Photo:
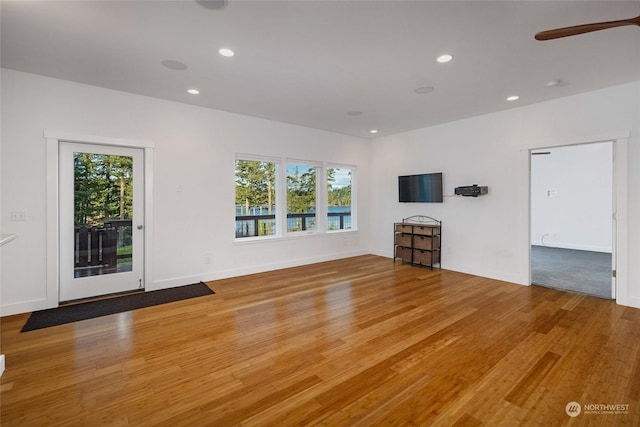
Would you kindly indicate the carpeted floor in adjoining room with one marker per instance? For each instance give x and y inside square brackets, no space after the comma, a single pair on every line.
[572,270]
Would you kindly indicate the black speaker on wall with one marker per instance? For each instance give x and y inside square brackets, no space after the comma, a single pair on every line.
[471,190]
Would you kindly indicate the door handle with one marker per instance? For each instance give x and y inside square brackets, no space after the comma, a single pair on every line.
[140,227]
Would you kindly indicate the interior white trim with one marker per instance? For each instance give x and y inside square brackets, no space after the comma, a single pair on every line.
[149,283]
[621,215]
[100,140]
[53,187]
[24,307]
[258,158]
[574,140]
[620,171]
[253,269]
[53,139]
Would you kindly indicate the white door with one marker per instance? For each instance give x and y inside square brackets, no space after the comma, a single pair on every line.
[101,220]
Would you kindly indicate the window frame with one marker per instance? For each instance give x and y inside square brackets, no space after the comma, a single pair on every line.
[322,209]
[265,159]
[319,170]
[354,209]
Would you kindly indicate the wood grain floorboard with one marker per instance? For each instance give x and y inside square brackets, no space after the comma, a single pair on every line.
[359,341]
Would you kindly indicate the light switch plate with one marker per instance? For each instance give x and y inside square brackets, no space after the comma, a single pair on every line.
[18,216]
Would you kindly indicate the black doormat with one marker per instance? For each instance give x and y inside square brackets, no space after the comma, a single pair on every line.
[89,310]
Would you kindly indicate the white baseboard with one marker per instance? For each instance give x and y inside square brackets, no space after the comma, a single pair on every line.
[483,271]
[476,270]
[224,274]
[41,304]
[23,307]
[385,254]
[632,302]
[564,245]
[1,364]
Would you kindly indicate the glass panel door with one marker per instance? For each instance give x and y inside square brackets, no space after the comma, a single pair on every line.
[100,220]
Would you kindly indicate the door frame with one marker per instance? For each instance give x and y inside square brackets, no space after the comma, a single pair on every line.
[53,140]
[611,204]
[620,204]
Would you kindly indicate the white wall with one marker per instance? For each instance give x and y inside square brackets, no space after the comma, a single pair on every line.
[489,235]
[572,197]
[194,151]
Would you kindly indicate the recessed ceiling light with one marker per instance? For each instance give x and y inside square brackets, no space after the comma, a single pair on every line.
[213,4]
[226,52]
[193,91]
[354,113]
[174,65]
[422,90]
[513,98]
[444,58]
[373,131]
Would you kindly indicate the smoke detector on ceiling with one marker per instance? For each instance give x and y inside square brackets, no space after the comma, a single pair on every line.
[556,83]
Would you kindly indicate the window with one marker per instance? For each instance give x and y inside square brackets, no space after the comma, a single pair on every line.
[275,197]
[339,201]
[301,197]
[255,198]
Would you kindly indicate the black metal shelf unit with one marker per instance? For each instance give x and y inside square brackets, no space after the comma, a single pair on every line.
[417,240]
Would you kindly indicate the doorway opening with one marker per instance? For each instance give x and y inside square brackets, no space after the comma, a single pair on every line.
[121,260]
[572,218]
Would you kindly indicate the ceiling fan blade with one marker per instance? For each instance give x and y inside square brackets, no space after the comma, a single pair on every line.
[586,28]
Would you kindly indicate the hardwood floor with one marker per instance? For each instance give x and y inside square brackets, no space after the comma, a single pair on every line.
[360,341]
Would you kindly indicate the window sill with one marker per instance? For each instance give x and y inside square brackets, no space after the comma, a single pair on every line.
[292,236]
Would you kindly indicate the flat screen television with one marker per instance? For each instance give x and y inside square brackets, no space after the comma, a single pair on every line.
[424,188]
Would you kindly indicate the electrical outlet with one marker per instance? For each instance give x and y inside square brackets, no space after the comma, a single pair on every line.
[18,216]
[207,258]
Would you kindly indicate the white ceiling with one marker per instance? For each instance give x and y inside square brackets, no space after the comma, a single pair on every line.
[311,62]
